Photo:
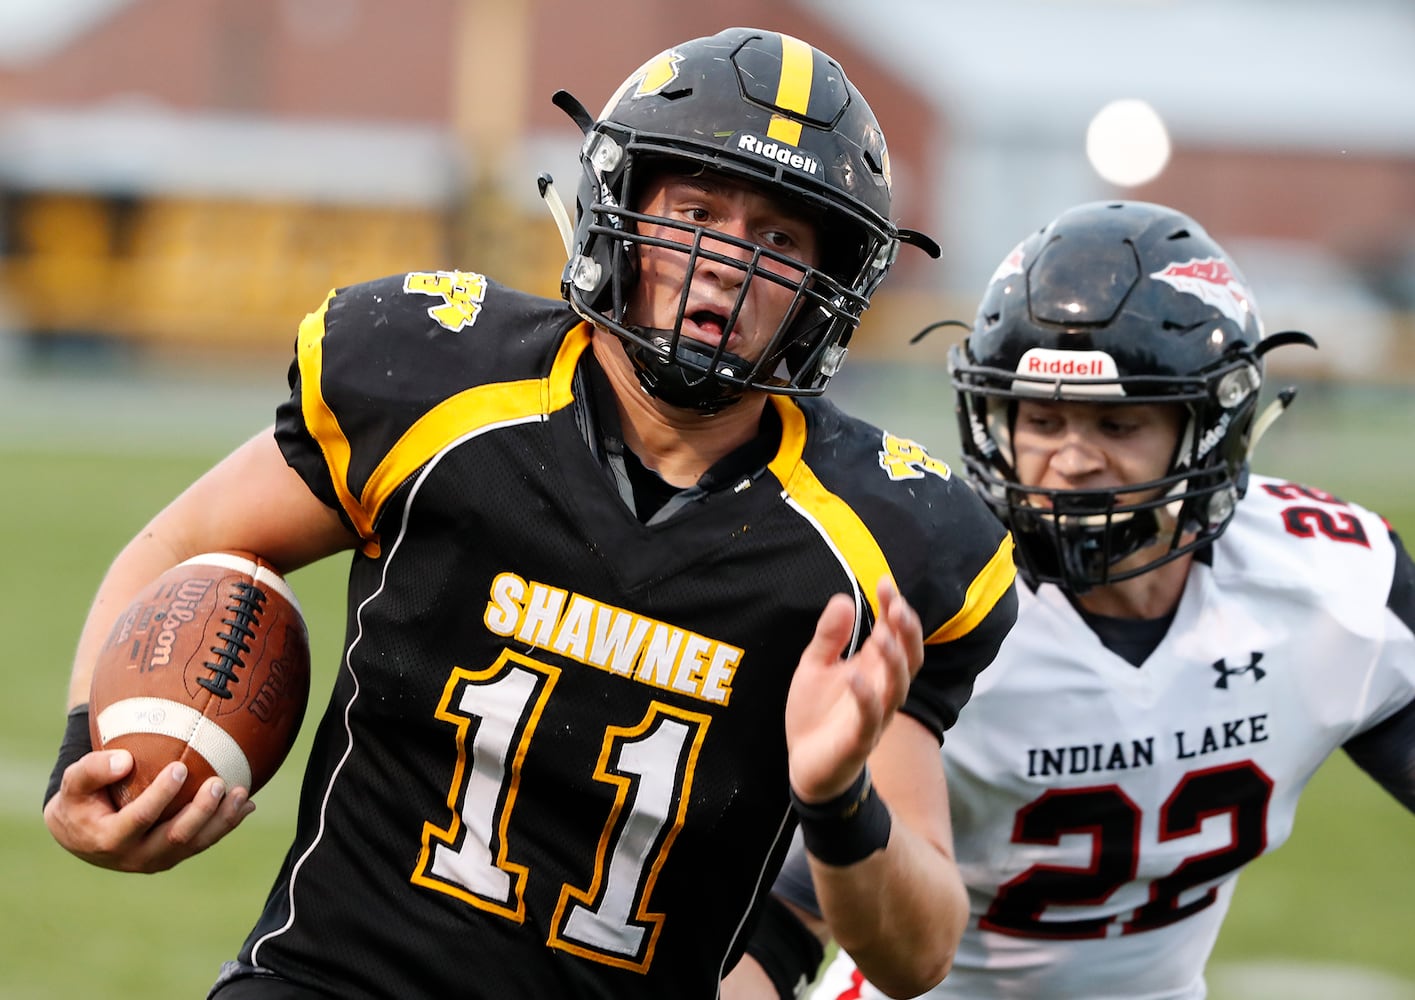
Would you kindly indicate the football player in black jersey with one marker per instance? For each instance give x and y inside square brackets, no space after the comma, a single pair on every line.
[628,602]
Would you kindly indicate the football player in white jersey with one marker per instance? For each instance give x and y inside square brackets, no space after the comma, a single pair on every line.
[1192,643]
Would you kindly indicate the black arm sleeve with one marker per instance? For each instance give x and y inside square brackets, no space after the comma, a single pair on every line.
[1402,585]
[1387,753]
[785,948]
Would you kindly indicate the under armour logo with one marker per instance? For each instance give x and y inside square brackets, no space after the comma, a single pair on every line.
[1225,671]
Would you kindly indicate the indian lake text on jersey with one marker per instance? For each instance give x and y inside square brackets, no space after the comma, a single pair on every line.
[1122,756]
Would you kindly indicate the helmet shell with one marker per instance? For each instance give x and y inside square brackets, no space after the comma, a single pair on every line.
[1142,283]
[755,106]
[1113,302]
[762,105]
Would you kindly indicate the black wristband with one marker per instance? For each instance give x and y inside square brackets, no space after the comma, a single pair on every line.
[77,742]
[785,948]
[848,828]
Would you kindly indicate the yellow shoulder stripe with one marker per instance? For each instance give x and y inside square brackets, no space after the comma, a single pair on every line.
[856,543]
[983,594]
[464,413]
[319,419]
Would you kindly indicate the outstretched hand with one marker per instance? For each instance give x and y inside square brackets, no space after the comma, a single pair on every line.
[82,818]
[837,708]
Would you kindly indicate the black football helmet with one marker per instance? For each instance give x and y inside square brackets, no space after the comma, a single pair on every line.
[1123,302]
[756,106]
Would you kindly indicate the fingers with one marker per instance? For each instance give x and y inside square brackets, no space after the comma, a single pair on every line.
[899,641]
[145,810]
[234,809]
[82,817]
[212,813]
[889,658]
[837,708]
[910,630]
[95,771]
[833,630]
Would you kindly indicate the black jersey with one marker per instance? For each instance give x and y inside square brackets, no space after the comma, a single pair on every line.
[553,763]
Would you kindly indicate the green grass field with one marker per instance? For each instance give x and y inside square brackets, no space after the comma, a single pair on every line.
[1339,892]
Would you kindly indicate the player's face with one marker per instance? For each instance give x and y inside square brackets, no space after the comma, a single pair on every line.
[736,209]
[1086,446]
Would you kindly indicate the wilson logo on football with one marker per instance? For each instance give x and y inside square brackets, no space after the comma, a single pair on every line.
[184,606]
[1213,282]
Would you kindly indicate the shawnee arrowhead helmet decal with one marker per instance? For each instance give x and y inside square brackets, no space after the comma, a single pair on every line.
[1212,281]
[658,73]
[648,79]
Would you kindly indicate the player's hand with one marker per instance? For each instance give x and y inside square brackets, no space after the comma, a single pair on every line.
[82,818]
[837,708]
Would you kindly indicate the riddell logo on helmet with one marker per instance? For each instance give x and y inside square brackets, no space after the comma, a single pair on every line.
[1044,367]
[1213,435]
[787,156]
[1073,364]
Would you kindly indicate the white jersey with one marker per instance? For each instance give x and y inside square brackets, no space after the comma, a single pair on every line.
[1101,812]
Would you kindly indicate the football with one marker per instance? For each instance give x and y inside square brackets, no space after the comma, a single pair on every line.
[209,665]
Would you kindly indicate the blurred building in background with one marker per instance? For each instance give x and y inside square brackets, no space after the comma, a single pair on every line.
[195,175]
[1290,124]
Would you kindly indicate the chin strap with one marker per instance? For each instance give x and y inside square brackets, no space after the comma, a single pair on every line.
[677,385]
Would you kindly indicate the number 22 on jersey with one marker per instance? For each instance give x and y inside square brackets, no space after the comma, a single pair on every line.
[1111,819]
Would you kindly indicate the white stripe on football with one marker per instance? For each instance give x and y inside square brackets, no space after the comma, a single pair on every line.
[163,717]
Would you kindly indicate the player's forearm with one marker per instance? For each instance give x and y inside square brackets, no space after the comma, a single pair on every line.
[748,981]
[250,501]
[899,913]
[899,910]
[140,562]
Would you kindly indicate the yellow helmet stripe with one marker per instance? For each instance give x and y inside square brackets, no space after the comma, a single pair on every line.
[793,91]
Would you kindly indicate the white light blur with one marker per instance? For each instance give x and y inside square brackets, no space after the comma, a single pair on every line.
[1127,143]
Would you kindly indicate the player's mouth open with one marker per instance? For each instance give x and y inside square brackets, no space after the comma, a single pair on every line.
[707,326]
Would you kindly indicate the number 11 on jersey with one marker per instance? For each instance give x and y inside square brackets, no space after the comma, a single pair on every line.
[650,766]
